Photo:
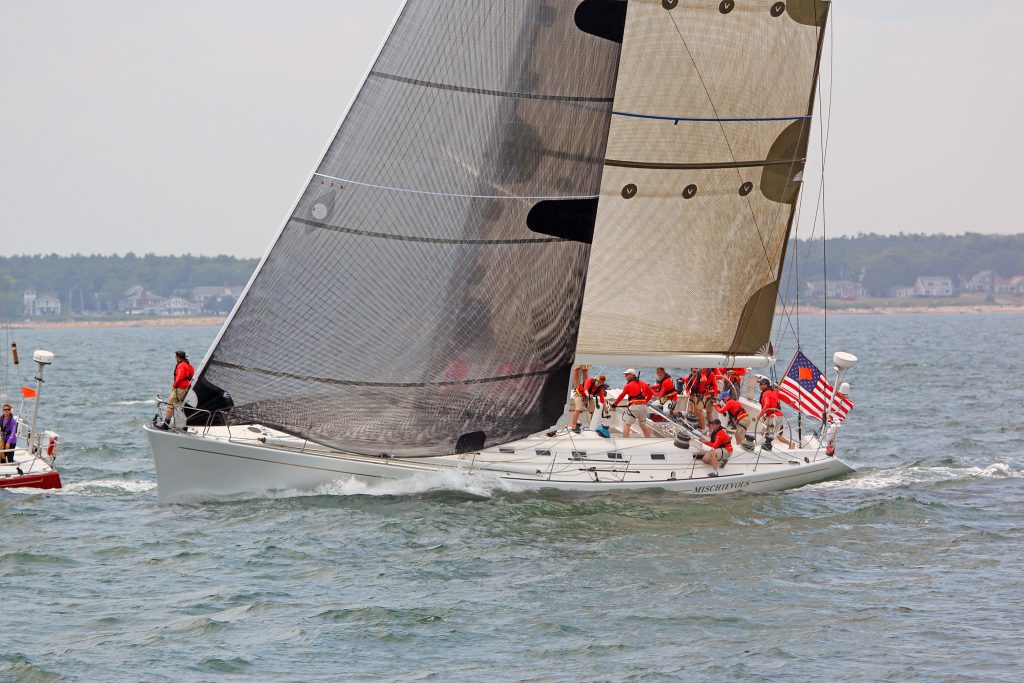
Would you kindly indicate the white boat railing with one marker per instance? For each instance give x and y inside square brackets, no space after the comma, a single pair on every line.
[248,434]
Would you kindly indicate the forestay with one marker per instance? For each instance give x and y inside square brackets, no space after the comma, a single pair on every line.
[424,295]
[704,163]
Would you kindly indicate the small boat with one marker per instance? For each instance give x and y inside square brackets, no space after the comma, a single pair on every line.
[514,192]
[31,464]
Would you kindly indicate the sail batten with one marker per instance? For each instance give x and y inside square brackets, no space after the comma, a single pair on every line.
[699,119]
[702,164]
[696,209]
[484,91]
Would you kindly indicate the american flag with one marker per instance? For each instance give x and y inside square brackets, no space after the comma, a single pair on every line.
[805,388]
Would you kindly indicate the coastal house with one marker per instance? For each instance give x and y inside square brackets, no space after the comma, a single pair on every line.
[1013,285]
[37,305]
[203,294]
[981,282]
[216,299]
[902,292]
[138,301]
[933,285]
[176,305]
[836,289]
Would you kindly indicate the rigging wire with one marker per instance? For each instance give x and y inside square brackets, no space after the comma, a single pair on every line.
[824,132]
[761,239]
[824,212]
[725,136]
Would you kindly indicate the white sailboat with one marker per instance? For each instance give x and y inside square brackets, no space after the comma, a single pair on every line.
[486,217]
[31,462]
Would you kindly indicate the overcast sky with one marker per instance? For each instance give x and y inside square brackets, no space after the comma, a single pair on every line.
[191,126]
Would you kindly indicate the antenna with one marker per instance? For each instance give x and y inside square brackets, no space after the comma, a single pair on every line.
[42,359]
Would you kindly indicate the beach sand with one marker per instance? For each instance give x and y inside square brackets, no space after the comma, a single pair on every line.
[167,321]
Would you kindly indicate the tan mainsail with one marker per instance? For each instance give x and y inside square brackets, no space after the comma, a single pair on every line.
[704,165]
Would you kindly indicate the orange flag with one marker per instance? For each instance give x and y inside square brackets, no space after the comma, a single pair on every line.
[28,393]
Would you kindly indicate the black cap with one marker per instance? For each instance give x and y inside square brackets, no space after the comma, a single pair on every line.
[763,380]
[180,354]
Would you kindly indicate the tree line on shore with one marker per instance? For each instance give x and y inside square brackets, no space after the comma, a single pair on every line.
[96,283]
[883,262]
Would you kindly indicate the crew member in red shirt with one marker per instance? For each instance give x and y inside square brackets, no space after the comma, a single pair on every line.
[737,415]
[721,447]
[583,398]
[771,413]
[183,372]
[701,386]
[638,394]
[665,388]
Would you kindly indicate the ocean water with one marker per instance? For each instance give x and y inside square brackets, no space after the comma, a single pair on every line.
[910,569]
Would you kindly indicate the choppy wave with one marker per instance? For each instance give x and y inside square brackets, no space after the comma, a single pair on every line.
[146,402]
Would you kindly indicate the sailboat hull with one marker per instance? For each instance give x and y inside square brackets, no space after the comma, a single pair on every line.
[192,467]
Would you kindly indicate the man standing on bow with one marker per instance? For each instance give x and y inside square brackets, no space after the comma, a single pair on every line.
[183,372]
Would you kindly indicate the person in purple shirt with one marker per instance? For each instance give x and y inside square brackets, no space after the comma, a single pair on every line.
[8,434]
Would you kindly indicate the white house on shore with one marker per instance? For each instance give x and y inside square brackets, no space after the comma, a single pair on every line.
[981,282]
[933,285]
[176,305]
[1013,285]
[927,285]
[836,289]
[37,305]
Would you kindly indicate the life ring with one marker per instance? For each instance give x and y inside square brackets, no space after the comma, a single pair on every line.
[51,447]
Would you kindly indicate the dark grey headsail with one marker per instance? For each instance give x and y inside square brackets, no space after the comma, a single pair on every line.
[424,296]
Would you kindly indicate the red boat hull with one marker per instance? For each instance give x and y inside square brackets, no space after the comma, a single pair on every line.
[47,480]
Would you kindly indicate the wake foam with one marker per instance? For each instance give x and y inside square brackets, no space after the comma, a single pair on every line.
[147,402]
[107,487]
[916,474]
[479,485]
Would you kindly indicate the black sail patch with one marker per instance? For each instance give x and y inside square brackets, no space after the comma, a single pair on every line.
[602,18]
[569,219]
[780,180]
